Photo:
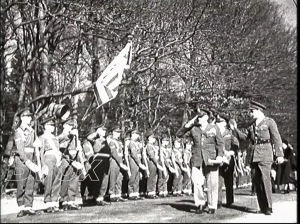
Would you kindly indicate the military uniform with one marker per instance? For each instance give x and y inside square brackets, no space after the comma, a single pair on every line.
[262,135]
[69,168]
[164,177]
[153,157]
[135,156]
[50,161]
[208,144]
[177,181]
[100,165]
[24,158]
[231,143]
[116,176]
[186,181]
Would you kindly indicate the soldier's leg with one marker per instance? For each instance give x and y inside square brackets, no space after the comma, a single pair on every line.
[160,183]
[132,180]
[114,171]
[211,174]
[119,184]
[177,181]
[73,189]
[198,181]
[152,180]
[22,173]
[50,162]
[221,184]
[65,177]
[257,179]
[104,186]
[29,189]
[265,169]
[56,185]
[136,187]
[229,182]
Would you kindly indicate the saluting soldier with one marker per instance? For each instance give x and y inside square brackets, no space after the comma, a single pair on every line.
[135,164]
[153,157]
[262,133]
[116,164]
[100,165]
[50,161]
[177,181]
[26,169]
[208,146]
[186,181]
[70,166]
[231,144]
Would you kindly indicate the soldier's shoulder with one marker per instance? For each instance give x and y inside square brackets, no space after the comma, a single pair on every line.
[270,120]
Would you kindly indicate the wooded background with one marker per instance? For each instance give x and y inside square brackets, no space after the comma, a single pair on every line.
[221,54]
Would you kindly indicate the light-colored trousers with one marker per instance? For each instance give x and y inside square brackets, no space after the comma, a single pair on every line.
[211,173]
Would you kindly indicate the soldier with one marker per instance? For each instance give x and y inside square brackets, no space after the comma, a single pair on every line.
[70,166]
[226,169]
[163,177]
[26,169]
[207,148]
[50,161]
[186,181]
[100,165]
[116,163]
[135,164]
[177,181]
[262,133]
[153,156]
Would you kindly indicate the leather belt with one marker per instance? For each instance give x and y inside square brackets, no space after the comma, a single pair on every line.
[28,149]
[261,141]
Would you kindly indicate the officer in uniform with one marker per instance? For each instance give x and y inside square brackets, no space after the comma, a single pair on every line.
[186,181]
[226,169]
[153,157]
[135,164]
[208,147]
[26,169]
[100,165]
[116,164]
[50,161]
[70,166]
[262,133]
[177,181]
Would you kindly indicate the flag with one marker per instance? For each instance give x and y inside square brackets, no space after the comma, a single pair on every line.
[106,86]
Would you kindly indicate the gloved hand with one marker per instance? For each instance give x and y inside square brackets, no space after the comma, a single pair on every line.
[37,143]
[11,160]
[45,170]
[172,170]
[58,163]
[123,166]
[77,165]
[142,166]
[33,167]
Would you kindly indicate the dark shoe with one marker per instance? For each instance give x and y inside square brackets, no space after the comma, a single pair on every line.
[199,209]
[268,211]
[211,211]
[113,199]
[21,214]
[74,207]
[151,196]
[30,212]
[220,206]
[102,203]
[253,194]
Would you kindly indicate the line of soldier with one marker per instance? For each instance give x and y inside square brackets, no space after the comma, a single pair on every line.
[107,164]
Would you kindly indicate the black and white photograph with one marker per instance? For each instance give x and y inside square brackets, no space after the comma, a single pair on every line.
[148,111]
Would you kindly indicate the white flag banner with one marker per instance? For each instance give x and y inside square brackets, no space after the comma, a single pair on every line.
[106,86]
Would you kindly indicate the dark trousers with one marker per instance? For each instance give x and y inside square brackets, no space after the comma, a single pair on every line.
[226,178]
[152,179]
[52,180]
[86,183]
[25,183]
[69,183]
[262,182]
